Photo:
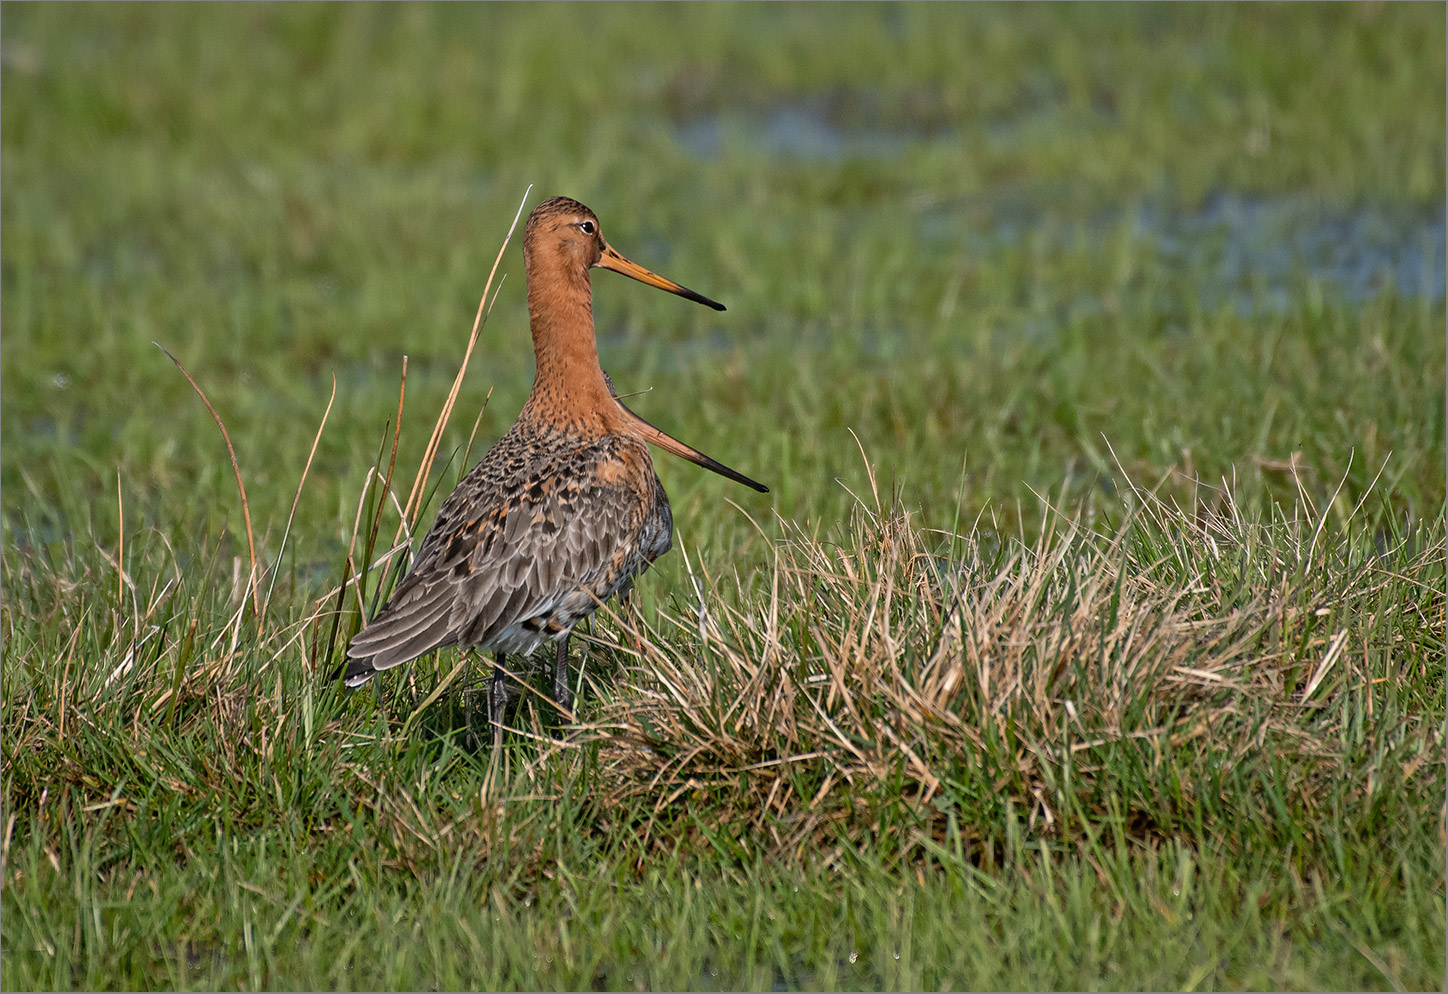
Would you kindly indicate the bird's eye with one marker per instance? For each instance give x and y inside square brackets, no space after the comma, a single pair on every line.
[586,227]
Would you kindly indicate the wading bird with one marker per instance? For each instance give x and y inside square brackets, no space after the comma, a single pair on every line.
[563,512]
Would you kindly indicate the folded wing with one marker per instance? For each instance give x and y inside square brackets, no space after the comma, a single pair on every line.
[516,563]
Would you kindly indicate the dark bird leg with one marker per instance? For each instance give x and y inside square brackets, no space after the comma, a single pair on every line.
[471,740]
[499,697]
[562,693]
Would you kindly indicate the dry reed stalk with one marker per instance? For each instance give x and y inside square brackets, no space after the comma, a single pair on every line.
[414,499]
[353,574]
[236,468]
[413,506]
[296,498]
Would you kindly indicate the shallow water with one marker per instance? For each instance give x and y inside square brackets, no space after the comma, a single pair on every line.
[1257,253]
[804,130]
[1361,251]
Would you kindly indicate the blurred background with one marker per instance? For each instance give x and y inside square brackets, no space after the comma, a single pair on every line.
[1008,247]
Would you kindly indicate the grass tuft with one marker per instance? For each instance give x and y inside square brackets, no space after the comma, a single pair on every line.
[897,686]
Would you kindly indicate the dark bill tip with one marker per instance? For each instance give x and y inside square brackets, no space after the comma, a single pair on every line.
[699,298]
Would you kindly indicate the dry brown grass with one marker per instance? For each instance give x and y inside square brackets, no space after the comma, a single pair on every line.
[903,681]
[892,687]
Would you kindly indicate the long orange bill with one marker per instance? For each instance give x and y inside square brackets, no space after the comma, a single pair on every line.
[612,260]
[667,442]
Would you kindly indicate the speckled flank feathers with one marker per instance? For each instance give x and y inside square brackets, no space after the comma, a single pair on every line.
[564,511]
[533,539]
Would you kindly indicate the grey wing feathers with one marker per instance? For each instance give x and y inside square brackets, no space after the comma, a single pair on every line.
[406,628]
[497,559]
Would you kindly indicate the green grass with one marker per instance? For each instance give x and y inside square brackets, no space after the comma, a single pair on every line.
[1178,721]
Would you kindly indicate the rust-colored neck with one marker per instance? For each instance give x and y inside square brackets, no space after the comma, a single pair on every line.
[569,389]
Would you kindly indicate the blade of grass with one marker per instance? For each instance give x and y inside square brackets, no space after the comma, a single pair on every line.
[297,497]
[413,507]
[236,468]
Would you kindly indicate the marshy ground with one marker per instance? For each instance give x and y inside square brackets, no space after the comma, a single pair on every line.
[1092,635]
